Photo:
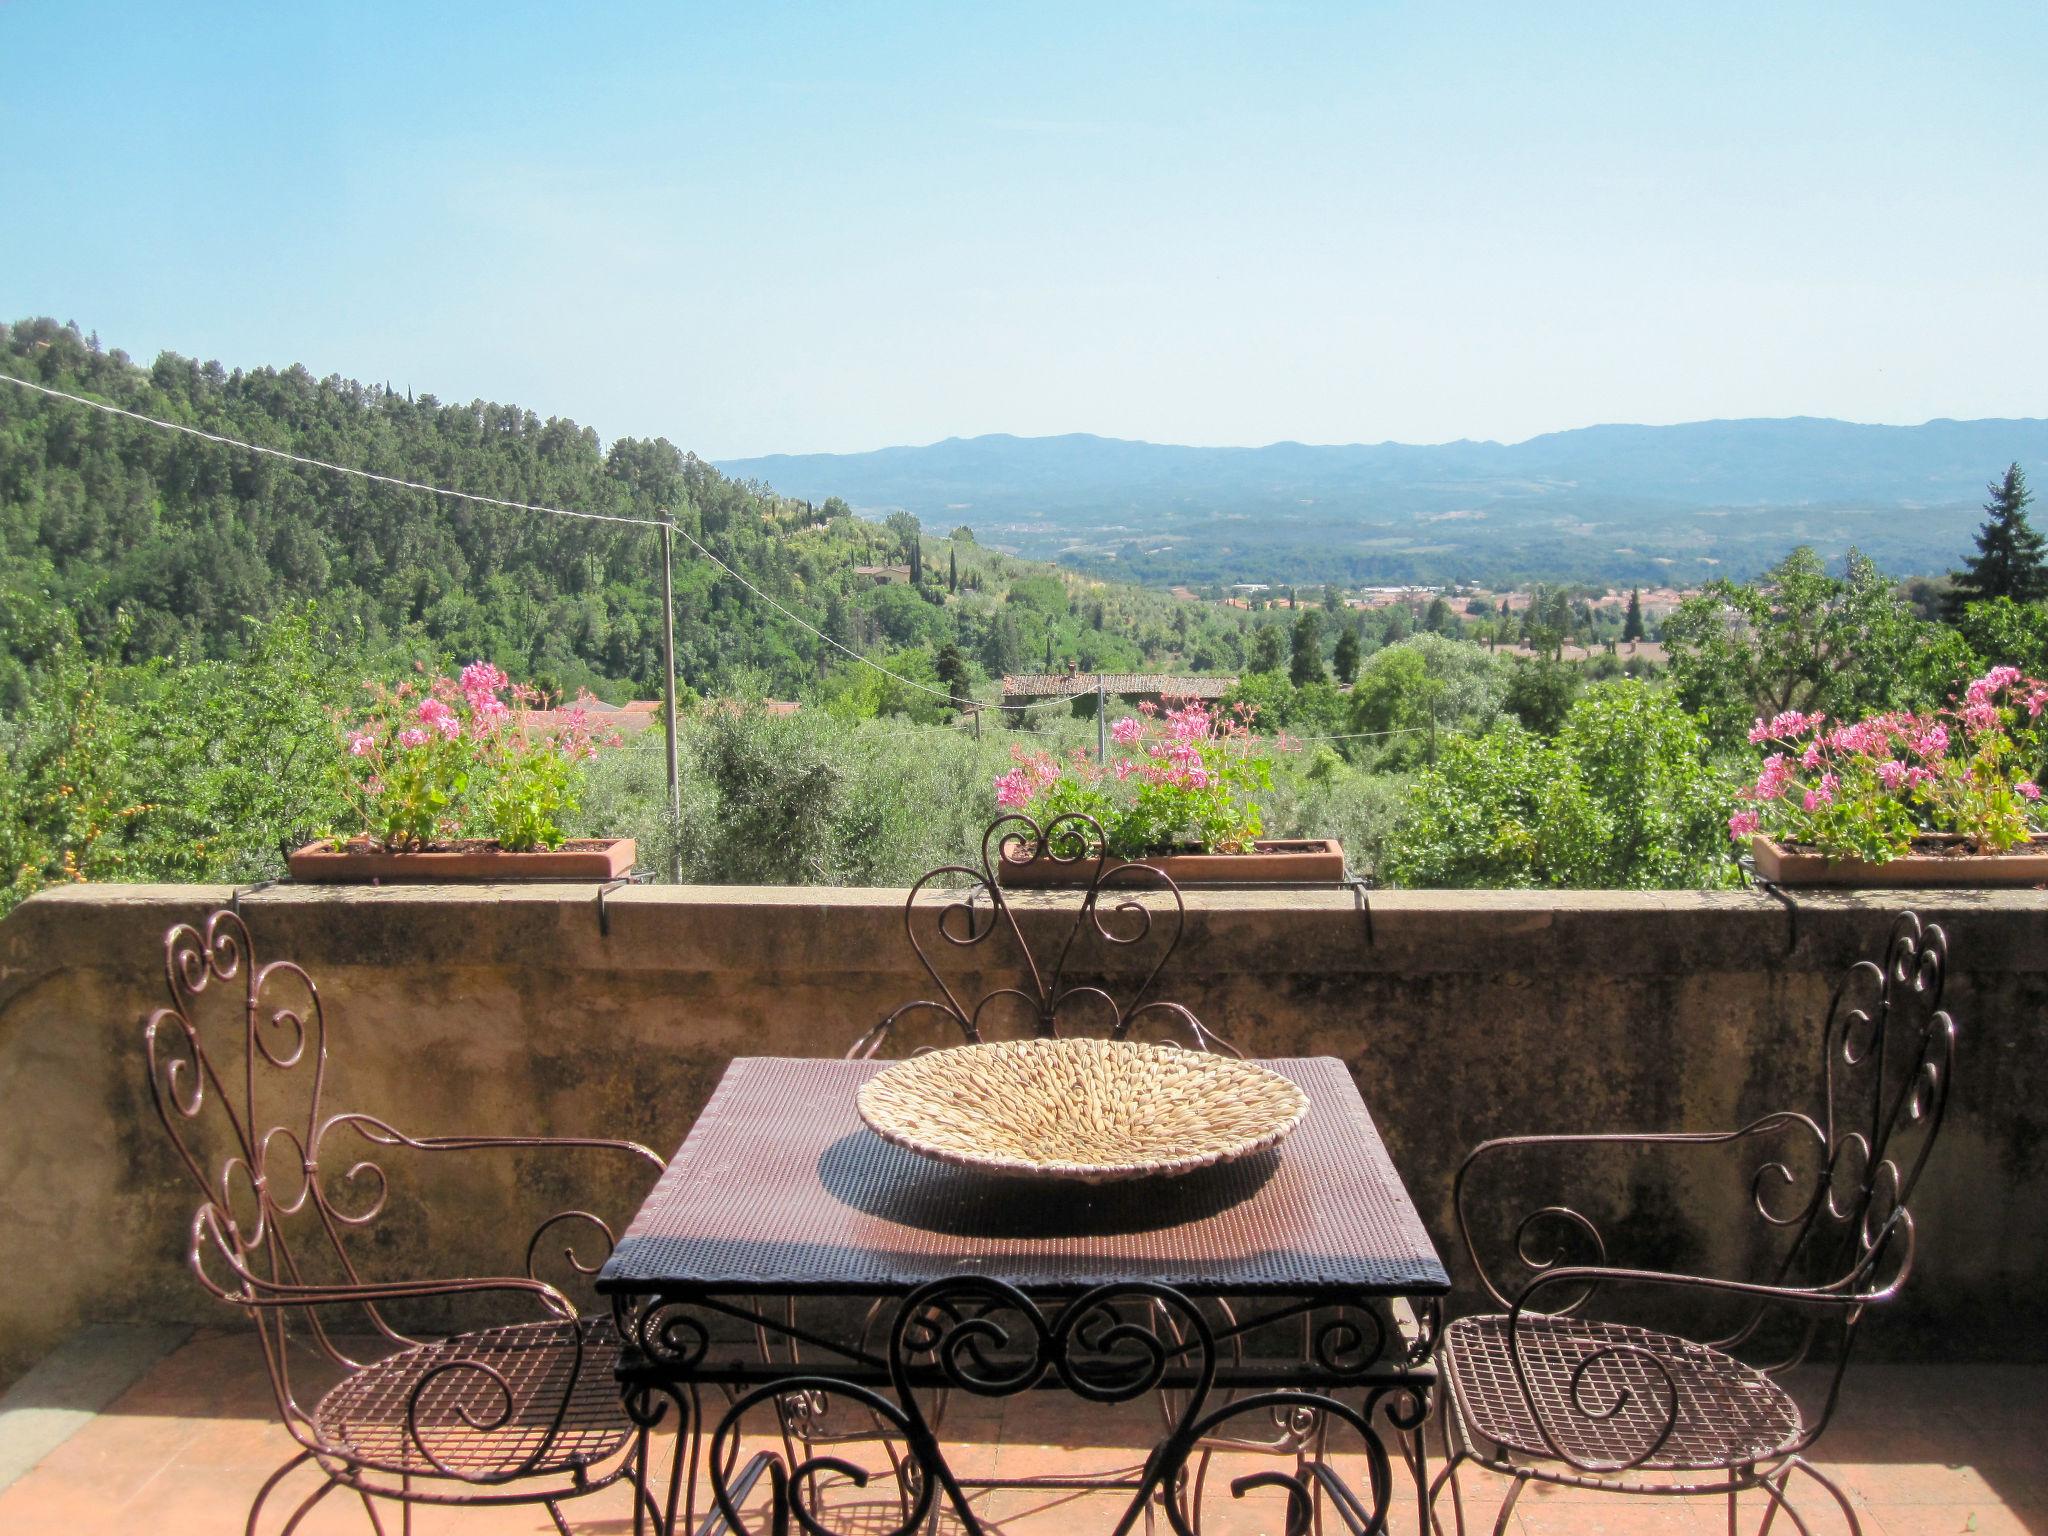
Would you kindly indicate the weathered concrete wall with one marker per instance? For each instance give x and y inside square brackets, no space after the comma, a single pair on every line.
[1467,1015]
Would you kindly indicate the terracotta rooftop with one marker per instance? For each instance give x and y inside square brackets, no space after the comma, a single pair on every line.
[1053,685]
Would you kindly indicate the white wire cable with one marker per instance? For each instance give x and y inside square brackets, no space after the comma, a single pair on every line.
[802,623]
[1406,730]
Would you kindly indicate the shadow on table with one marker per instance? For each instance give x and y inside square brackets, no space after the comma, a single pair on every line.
[869,1174]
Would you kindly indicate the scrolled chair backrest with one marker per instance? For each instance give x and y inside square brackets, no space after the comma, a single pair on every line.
[964,913]
[239,1087]
[1888,1059]
[1889,1062]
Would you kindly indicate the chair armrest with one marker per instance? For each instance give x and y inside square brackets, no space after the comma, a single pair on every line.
[1568,1217]
[211,1229]
[384,1134]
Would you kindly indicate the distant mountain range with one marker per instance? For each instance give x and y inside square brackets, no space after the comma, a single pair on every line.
[1622,504]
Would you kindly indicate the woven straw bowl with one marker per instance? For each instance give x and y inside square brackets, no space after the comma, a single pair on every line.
[1091,1110]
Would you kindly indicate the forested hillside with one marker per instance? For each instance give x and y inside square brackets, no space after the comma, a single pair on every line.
[157,544]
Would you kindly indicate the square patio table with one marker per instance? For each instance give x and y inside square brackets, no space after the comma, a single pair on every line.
[789,1256]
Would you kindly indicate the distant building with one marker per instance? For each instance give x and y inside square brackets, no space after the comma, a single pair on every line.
[884,575]
[1126,687]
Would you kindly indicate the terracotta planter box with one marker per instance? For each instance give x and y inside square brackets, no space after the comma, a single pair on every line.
[1927,865]
[595,858]
[1278,861]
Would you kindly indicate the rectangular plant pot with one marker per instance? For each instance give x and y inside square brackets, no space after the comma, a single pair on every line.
[590,858]
[1277,861]
[1788,866]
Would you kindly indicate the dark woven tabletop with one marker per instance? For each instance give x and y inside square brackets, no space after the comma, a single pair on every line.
[780,1187]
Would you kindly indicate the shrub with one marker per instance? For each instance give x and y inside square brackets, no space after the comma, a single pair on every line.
[1868,789]
[1176,781]
[465,757]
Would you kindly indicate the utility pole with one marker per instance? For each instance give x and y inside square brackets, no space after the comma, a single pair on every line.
[668,659]
[1101,721]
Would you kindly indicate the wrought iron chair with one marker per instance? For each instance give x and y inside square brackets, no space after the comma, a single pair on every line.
[972,915]
[967,908]
[521,1413]
[1545,1392]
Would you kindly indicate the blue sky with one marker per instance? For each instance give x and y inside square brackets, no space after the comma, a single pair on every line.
[757,228]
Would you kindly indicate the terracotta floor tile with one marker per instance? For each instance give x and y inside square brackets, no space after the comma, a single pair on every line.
[1951,1520]
[1921,1451]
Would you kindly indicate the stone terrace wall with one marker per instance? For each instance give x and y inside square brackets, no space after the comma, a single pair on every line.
[508,1010]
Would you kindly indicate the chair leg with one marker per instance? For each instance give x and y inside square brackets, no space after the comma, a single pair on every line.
[271,1482]
[1507,1505]
[306,1506]
[1834,1491]
[1731,1502]
[555,1513]
[1452,1457]
[1774,1491]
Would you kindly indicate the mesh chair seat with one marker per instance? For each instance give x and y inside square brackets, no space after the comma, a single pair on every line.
[485,1403]
[1729,1414]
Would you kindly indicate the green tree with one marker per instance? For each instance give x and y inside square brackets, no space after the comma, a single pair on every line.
[2012,556]
[1540,692]
[1268,649]
[1306,665]
[954,674]
[1800,639]
[2004,633]
[1626,797]
[1046,595]
[1632,625]
[1344,659]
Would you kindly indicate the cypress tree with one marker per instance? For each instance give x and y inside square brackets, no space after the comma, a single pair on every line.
[1632,626]
[1345,659]
[2012,556]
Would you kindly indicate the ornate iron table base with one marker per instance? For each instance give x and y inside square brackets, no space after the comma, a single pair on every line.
[833,1376]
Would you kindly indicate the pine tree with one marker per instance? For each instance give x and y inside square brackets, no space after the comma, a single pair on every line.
[1632,626]
[952,570]
[2012,557]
